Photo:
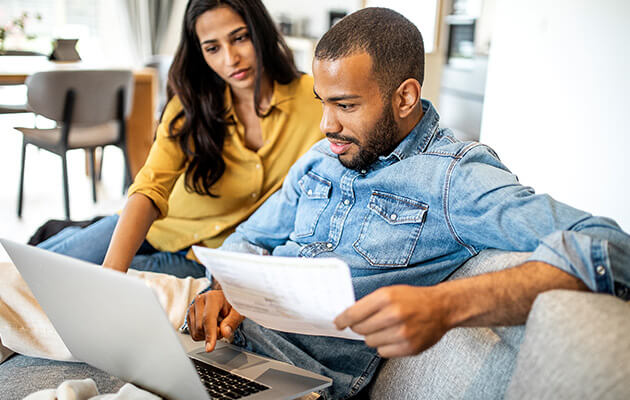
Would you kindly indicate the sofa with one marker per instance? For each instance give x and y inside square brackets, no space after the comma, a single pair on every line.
[574,345]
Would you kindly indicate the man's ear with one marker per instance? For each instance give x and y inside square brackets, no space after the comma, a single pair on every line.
[407,97]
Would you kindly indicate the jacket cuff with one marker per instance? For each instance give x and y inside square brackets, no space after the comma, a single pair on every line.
[579,255]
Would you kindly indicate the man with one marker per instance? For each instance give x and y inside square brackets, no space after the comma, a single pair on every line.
[405,204]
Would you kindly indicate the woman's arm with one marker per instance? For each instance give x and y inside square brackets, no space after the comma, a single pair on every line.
[134,223]
[148,195]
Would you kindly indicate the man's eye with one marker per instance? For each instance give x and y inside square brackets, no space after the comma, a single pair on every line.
[345,106]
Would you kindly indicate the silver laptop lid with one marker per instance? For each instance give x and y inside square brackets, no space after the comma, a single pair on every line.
[103,318]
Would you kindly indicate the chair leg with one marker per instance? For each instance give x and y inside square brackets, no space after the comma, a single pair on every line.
[21,186]
[92,167]
[100,163]
[127,179]
[66,197]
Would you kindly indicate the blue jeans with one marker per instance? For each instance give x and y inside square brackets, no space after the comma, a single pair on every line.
[91,243]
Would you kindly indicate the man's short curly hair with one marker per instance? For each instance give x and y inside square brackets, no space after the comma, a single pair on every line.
[393,42]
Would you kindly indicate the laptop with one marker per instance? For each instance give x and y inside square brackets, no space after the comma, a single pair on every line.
[115,322]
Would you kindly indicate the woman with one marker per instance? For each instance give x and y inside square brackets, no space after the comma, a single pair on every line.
[239,115]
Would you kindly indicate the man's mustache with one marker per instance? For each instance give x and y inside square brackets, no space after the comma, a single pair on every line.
[342,138]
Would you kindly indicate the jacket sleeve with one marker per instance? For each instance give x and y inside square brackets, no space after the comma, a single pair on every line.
[486,207]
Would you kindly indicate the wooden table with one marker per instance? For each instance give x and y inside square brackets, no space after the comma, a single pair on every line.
[141,122]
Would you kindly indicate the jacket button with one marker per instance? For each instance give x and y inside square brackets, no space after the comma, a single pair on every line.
[600,270]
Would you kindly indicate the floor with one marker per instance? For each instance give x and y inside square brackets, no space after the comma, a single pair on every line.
[43,187]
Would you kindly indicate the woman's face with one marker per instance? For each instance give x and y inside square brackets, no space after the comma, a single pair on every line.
[227,47]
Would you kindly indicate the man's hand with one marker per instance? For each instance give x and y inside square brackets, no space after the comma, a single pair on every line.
[405,320]
[398,320]
[211,317]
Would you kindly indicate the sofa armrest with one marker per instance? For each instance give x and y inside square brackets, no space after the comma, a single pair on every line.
[576,345]
[473,363]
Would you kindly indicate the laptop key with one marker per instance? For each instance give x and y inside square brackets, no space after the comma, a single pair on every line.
[241,392]
[221,384]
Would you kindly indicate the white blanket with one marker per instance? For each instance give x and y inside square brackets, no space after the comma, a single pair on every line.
[85,389]
[25,329]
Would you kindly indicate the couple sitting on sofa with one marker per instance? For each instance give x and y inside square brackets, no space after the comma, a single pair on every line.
[405,205]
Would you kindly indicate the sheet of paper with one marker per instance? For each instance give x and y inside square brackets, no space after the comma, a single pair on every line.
[298,295]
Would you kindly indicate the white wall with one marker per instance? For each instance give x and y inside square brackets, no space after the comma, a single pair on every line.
[315,11]
[557,105]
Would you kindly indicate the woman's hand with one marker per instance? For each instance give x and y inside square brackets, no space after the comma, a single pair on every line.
[211,317]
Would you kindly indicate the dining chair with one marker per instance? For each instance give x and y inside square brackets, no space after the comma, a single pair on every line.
[89,107]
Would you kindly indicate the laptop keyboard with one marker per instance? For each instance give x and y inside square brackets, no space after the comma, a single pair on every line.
[222,384]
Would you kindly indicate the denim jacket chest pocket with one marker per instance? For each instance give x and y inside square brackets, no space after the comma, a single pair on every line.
[390,230]
[315,195]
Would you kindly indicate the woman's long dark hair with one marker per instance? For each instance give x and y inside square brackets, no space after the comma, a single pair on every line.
[202,92]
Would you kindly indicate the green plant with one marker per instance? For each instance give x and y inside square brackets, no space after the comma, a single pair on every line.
[17,25]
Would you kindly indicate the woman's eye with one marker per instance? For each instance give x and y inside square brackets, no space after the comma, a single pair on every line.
[241,38]
[212,49]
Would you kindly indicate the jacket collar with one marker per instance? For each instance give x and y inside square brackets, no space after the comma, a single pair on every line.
[420,136]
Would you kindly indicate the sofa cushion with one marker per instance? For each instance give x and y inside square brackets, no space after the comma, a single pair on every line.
[576,345]
[468,363]
[21,375]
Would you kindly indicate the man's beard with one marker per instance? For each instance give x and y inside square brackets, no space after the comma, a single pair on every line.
[381,141]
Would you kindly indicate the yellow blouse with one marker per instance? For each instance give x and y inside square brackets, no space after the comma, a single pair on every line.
[289,129]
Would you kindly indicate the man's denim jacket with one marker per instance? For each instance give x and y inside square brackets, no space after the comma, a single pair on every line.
[419,213]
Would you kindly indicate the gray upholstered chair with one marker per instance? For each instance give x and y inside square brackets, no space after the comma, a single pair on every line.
[89,107]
